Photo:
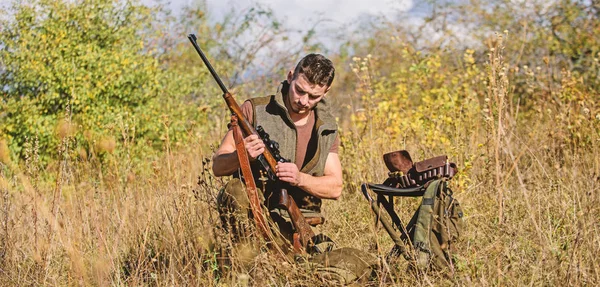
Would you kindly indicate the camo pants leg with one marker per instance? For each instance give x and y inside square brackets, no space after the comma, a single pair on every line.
[234,209]
[236,216]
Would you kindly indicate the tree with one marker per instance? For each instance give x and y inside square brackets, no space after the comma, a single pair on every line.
[74,68]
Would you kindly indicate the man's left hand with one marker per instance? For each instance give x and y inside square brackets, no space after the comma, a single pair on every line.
[288,172]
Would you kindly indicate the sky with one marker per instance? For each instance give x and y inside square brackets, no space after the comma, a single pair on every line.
[298,11]
[336,18]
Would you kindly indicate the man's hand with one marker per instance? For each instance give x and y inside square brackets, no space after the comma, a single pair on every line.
[288,172]
[254,145]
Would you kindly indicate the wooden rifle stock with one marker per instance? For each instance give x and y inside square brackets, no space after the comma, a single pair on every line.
[302,239]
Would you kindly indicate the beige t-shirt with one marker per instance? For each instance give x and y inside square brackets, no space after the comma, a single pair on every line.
[306,143]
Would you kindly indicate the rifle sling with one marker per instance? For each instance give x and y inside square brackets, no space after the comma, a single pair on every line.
[251,189]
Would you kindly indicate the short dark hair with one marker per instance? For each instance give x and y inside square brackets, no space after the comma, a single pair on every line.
[317,69]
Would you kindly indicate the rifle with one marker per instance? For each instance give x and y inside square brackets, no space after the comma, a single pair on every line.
[268,160]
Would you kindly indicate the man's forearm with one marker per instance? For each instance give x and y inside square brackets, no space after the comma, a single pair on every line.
[225,164]
[324,187]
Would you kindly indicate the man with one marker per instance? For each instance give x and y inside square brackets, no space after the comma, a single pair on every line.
[298,119]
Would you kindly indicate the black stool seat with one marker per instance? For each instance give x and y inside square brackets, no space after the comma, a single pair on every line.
[382,189]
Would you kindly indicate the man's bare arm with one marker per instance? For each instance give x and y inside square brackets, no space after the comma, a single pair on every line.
[328,186]
[225,159]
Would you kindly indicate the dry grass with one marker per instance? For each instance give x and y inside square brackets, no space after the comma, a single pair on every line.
[529,188]
[159,229]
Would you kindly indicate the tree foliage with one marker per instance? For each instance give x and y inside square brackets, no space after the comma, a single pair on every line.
[83,63]
[99,72]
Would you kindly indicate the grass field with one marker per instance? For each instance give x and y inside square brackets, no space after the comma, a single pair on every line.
[111,207]
[530,198]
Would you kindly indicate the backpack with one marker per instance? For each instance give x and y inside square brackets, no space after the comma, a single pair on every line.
[435,227]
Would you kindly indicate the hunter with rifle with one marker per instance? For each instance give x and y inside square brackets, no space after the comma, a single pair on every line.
[282,150]
[286,145]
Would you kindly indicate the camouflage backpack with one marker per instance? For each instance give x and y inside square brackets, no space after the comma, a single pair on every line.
[436,227]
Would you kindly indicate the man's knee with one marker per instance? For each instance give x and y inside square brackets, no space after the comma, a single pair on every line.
[233,206]
[233,197]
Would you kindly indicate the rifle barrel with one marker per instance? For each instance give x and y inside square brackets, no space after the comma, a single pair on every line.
[212,71]
[247,129]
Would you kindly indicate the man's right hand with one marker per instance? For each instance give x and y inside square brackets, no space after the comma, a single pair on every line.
[254,145]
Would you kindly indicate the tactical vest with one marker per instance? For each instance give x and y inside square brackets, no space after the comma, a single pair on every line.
[270,113]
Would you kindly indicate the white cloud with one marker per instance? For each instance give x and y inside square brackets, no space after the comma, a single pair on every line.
[298,12]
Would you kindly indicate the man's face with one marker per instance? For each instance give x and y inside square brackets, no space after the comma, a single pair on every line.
[303,96]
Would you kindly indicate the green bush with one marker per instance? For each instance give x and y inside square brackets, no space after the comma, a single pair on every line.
[75,68]
[95,71]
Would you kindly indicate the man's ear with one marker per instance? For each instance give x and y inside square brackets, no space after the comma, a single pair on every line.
[326,91]
[290,76]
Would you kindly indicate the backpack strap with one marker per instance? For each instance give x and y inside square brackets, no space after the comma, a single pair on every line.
[422,229]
